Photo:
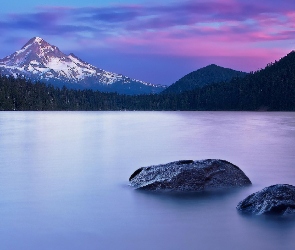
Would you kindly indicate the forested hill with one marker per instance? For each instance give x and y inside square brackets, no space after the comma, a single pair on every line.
[201,77]
[272,88]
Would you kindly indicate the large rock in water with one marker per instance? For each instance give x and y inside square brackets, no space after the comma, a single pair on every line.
[276,199]
[188,175]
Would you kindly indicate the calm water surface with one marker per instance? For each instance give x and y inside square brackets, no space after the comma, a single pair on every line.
[64,180]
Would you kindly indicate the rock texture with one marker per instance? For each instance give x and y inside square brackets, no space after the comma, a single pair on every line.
[276,199]
[189,175]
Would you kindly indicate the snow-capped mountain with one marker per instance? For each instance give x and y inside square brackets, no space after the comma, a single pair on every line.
[38,60]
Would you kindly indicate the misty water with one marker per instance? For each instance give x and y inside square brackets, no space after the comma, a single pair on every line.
[64,180]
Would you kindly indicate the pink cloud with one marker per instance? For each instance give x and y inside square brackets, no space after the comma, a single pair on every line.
[223,28]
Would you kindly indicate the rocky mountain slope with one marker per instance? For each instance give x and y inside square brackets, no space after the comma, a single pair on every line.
[39,60]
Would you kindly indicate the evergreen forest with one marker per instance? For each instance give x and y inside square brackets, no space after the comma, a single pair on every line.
[268,89]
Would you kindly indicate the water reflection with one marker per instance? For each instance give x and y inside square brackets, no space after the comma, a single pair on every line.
[63,180]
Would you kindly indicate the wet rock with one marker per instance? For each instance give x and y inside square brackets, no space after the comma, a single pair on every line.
[277,199]
[189,175]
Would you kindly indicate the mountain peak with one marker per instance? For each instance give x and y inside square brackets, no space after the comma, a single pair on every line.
[36,41]
[213,67]
[39,60]
[36,50]
[203,76]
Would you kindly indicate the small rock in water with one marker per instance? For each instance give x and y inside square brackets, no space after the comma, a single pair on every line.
[277,199]
[189,175]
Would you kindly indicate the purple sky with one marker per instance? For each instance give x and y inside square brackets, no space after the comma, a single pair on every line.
[156,42]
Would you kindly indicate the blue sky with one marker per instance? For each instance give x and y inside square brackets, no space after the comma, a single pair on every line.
[29,5]
[155,41]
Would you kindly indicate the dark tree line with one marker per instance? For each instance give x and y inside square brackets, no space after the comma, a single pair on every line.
[272,88]
[20,94]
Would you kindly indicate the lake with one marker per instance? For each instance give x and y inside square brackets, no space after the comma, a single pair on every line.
[64,180]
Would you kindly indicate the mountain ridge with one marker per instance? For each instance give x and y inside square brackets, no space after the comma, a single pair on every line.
[268,89]
[39,60]
[207,75]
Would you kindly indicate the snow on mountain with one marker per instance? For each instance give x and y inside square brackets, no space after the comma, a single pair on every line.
[38,60]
